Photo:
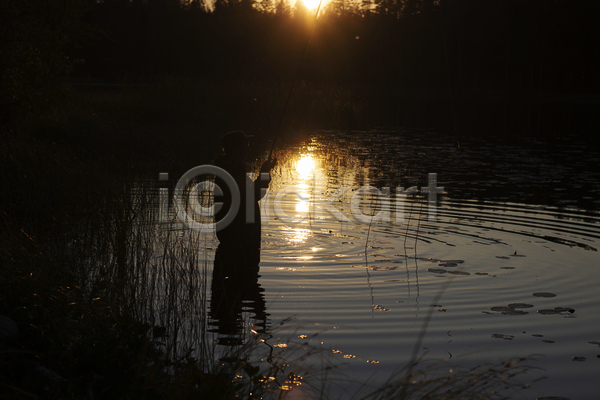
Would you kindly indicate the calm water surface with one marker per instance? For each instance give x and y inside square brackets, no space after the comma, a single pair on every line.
[514,220]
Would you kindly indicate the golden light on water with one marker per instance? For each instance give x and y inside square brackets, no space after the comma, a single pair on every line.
[298,235]
[305,166]
[302,206]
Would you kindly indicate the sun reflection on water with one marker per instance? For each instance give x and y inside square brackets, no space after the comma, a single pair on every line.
[305,166]
[302,206]
[298,235]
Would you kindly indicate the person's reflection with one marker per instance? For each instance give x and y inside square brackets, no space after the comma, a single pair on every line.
[235,288]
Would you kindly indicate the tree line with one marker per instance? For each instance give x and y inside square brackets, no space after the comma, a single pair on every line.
[407,45]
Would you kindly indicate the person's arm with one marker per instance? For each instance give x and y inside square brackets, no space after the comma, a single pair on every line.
[261,183]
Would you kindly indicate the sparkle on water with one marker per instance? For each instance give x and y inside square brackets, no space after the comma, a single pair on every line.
[519,263]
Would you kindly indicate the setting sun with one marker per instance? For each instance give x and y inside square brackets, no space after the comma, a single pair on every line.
[313,4]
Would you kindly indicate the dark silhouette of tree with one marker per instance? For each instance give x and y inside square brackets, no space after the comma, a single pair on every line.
[34,44]
[471,47]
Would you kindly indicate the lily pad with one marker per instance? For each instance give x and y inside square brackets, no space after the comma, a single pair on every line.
[515,312]
[547,312]
[502,336]
[459,272]
[544,294]
[565,309]
[437,270]
[384,268]
[501,308]
[520,305]
[447,265]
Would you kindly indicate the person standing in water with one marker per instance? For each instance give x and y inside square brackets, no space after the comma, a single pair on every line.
[236,265]
[244,231]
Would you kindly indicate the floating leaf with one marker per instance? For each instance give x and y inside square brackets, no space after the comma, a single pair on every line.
[544,294]
[579,358]
[547,312]
[520,305]
[565,309]
[514,312]
[501,308]
[459,273]
[383,268]
[436,270]
[502,336]
[448,265]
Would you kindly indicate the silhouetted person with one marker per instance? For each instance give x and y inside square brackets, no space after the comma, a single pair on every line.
[235,275]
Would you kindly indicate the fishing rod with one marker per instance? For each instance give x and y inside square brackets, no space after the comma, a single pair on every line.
[287,102]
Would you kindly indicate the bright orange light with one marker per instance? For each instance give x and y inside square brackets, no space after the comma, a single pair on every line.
[305,166]
[313,4]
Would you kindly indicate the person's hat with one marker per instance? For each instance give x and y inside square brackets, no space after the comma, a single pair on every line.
[235,138]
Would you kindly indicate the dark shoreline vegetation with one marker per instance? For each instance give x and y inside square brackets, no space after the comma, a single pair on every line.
[93,302]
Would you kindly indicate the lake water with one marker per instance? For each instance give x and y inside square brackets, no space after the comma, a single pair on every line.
[515,223]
